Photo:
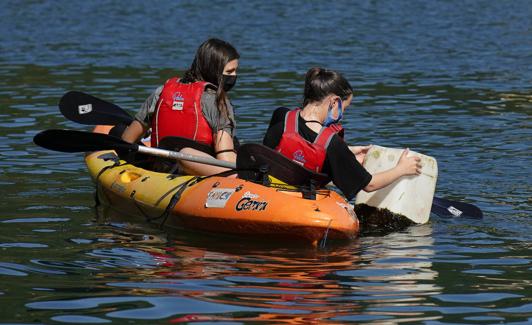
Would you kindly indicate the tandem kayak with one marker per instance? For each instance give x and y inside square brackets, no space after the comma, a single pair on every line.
[220,204]
[243,205]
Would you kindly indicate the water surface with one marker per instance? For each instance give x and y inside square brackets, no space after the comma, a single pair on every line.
[450,79]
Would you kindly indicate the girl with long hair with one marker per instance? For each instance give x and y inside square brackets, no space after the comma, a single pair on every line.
[195,108]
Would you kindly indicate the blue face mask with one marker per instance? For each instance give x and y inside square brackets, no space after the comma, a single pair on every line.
[330,120]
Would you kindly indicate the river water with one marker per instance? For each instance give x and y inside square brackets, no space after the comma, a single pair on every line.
[451,79]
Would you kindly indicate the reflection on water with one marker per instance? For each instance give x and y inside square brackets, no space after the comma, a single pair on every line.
[375,278]
[133,272]
[290,285]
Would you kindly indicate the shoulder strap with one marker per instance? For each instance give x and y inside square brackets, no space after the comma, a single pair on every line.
[324,137]
[291,123]
[173,79]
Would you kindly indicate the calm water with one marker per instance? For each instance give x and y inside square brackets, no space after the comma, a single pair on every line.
[451,79]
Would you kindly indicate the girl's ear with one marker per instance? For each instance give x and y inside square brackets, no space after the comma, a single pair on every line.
[336,100]
[332,99]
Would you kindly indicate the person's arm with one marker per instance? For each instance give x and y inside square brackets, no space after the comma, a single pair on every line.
[278,115]
[345,171]
[405,166]
[224,147]
[273,135]
[223,144]
[141,124]
[134,132]
[360,152]
[223,126]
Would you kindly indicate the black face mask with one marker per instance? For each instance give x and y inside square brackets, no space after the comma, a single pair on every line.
[228,81]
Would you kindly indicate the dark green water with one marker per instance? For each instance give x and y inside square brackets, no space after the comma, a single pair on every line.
[451,79]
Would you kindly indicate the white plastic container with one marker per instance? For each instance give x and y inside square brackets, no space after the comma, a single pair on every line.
[410,196]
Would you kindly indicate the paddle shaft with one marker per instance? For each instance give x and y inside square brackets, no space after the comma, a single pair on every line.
[183,156]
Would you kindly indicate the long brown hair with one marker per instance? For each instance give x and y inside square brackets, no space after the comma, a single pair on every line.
[208,65]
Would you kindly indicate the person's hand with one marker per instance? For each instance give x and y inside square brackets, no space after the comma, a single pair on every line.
[360,152]
[409,165]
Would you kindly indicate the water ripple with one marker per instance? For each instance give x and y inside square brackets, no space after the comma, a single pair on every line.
[475,297]
[162,307]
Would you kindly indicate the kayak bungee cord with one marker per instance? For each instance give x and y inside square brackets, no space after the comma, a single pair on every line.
[175,198]
[324,239]
[116,163]
[180,189]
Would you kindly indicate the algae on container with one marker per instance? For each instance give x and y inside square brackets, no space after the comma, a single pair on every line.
[408,196]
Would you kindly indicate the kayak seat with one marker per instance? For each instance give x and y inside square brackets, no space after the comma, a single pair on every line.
[254,160]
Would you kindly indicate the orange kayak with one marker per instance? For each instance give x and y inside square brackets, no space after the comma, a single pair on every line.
[219,204]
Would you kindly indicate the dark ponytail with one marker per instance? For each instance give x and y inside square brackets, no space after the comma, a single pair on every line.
[319,83]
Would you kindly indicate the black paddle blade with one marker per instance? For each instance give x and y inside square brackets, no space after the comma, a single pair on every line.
[86,109]
[453,209]
[79,141]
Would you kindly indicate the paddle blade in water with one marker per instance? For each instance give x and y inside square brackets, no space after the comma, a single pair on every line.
[453,209]
[86,109]
[79,141]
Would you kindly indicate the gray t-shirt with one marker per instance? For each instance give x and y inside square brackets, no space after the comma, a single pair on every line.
[216,120]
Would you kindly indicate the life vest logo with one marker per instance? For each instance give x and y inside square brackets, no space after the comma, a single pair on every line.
[84,109]
[249,202]
[177,102]
[299,157]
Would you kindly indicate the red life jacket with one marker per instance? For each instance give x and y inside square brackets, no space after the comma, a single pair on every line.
[295,147]
[178,113]
[339,129]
